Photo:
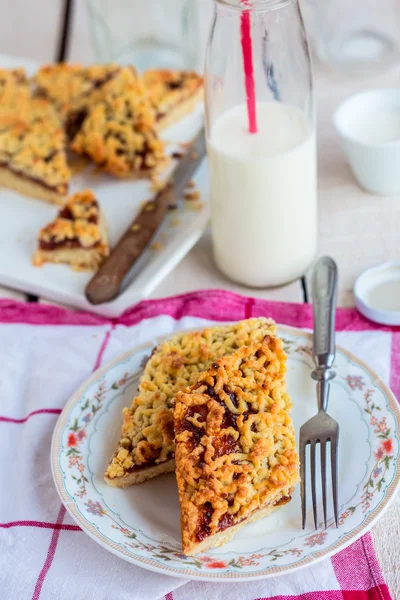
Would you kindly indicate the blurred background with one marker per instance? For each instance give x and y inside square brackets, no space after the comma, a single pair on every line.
[32,29]
[355,36]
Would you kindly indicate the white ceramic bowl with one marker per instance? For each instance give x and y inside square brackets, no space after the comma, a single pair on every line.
[377,293]
[369,127]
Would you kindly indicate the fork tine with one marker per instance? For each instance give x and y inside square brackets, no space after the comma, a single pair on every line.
[313,487]
[334,461]
[323,476]
[303,446]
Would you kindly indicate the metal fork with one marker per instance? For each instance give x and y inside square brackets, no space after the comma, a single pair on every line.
[322,429]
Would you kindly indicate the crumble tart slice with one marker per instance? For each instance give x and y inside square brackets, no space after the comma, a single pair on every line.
[235,445]
[146,447]
[173,94]
[20,119]
[39,167]
[33,158]
[73,89]
[119,132]
[77,237]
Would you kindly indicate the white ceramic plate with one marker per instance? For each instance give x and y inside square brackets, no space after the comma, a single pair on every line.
[141,524]
[22,219]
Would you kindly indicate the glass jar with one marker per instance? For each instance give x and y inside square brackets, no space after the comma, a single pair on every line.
[151,34]
[260,127]
[358,36]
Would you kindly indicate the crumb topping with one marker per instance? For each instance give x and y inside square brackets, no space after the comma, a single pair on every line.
[32,143]
[77,221]
[147,431]
[10,141]
[118,133]
[167,88]
[41,155]
[192,194]
[234,439]
[70,85]
[110,113]
[14,96]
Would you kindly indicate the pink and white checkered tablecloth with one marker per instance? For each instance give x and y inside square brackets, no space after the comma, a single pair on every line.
[45,353]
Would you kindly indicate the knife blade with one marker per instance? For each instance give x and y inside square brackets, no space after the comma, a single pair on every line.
[106,283]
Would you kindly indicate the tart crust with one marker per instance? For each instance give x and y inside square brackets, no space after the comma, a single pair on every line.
[142,474]
[147,437]
[223,537]
[235,446]
[31,188]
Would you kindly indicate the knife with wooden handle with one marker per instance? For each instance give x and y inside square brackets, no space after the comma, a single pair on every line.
[106,284]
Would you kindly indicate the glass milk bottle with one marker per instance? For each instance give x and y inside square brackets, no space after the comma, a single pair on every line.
[261,142]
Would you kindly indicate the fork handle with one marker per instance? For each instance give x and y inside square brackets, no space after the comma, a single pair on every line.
[324,295]
[323,378]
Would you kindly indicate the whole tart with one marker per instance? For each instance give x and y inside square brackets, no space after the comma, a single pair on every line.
[119,132]
[172,93]
[235,445]
[77,237]
[146,447]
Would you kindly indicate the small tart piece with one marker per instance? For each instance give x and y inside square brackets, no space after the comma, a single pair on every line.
[78,236]
[146,447]
[73,89]
[235,445]
[173,94]
[119,132]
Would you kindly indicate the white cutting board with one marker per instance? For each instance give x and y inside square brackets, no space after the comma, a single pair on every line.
[22,218]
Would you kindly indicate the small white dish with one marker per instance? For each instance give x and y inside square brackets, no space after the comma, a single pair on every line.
[369,127]
[377,293]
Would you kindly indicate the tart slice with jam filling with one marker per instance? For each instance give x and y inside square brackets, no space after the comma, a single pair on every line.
[119,132]
[173,94]
[77,237]
[37,165]
[146,446]
[33,157]
[235,446]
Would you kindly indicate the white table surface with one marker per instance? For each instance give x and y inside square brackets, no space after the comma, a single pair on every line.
[355,228]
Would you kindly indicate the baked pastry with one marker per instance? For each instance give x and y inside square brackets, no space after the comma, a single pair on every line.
[173,94]
[77,237]
[33,157]
[14,102]
[73,89]
[119,132]
[14,96]
[146,447]
[235,445]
